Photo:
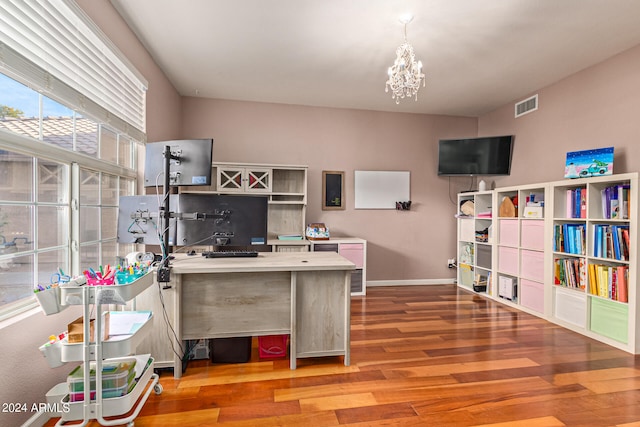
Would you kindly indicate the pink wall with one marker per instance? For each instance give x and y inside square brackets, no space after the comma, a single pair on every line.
[597,107]
[409,245]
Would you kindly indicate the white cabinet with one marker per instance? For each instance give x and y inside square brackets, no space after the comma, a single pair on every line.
[232,179]
[353,249]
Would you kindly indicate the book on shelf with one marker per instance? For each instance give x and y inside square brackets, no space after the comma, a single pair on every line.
[569,238]
[615,201]
[609,281]
[611,241]
[570,273]
[576,203]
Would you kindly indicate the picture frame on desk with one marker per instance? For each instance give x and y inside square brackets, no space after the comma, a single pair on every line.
[333,190]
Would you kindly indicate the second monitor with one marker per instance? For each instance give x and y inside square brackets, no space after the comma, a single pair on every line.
[222,220]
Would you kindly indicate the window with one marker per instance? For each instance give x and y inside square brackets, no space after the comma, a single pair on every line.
[70,126]
[36,183]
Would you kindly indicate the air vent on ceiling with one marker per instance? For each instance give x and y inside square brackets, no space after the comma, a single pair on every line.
[527,106]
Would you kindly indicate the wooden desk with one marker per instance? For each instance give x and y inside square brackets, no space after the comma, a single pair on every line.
[306,295]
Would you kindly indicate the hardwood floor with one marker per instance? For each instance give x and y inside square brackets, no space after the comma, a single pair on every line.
[421,356]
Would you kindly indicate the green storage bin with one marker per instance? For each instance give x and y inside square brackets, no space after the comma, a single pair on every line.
[610,319]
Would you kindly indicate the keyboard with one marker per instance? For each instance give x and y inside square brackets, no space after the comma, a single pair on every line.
[230,254]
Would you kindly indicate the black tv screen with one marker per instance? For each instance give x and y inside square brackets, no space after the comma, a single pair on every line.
[475,156]
[191,167]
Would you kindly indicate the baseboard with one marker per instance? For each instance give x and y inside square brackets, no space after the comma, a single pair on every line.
[38,420]
[374,283]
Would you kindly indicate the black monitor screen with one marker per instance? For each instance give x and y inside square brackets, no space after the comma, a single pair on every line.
[223,220]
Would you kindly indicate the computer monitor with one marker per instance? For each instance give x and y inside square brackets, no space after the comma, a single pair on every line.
[138,219]
[192,165]
[224,220]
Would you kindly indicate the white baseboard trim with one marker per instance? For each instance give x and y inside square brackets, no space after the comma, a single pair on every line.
[38,419]
[374,283]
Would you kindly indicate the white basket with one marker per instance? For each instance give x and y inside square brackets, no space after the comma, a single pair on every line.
[49,300]
[53,354]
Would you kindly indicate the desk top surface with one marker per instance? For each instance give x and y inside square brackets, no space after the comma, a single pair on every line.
[265,261]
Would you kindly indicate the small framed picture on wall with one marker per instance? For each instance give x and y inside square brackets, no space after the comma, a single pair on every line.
[333,190]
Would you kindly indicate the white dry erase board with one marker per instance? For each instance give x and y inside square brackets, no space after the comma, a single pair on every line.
[381,189]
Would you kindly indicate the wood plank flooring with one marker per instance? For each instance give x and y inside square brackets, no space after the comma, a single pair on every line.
[421,356]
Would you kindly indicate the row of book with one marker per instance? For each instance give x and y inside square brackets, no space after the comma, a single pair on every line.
[609,281]
[615,202]
[603,280]
[569,238]
[570,273]
[611,241]
[576,203]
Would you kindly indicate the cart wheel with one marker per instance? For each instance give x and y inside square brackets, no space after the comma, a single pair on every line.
[157,388]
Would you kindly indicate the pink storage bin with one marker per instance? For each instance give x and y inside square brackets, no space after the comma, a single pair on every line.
[508,229]
[272,346]
[532,295]
[532,265]
[508,260]
[354,252]
[532,236]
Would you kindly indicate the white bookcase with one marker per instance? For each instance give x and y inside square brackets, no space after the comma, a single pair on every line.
[476,241]
[592,303]
[590,286]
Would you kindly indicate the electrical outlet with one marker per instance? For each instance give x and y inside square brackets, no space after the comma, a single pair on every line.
[451,262]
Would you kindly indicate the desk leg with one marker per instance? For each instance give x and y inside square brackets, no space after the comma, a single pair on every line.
[347,318]
[178,343]
[294,314]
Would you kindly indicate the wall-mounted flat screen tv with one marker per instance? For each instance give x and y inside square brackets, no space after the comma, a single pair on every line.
[489,155]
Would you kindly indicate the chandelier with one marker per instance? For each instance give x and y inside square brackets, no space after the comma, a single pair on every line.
[405,75]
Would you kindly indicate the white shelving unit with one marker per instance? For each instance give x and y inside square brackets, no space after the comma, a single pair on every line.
[520,249]
[536,273]
[355,250]
[99,350]
[476,242]
[578,304]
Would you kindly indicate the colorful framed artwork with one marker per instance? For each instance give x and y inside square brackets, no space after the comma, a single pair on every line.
[587,163]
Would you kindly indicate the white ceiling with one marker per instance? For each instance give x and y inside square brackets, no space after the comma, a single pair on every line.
[477,54]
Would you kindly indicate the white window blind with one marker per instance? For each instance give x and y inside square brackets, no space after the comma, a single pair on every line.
[54,46]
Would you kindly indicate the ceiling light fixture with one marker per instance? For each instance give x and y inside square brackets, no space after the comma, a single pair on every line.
[405,75]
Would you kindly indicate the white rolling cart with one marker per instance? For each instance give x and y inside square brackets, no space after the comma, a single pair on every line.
[96,352]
